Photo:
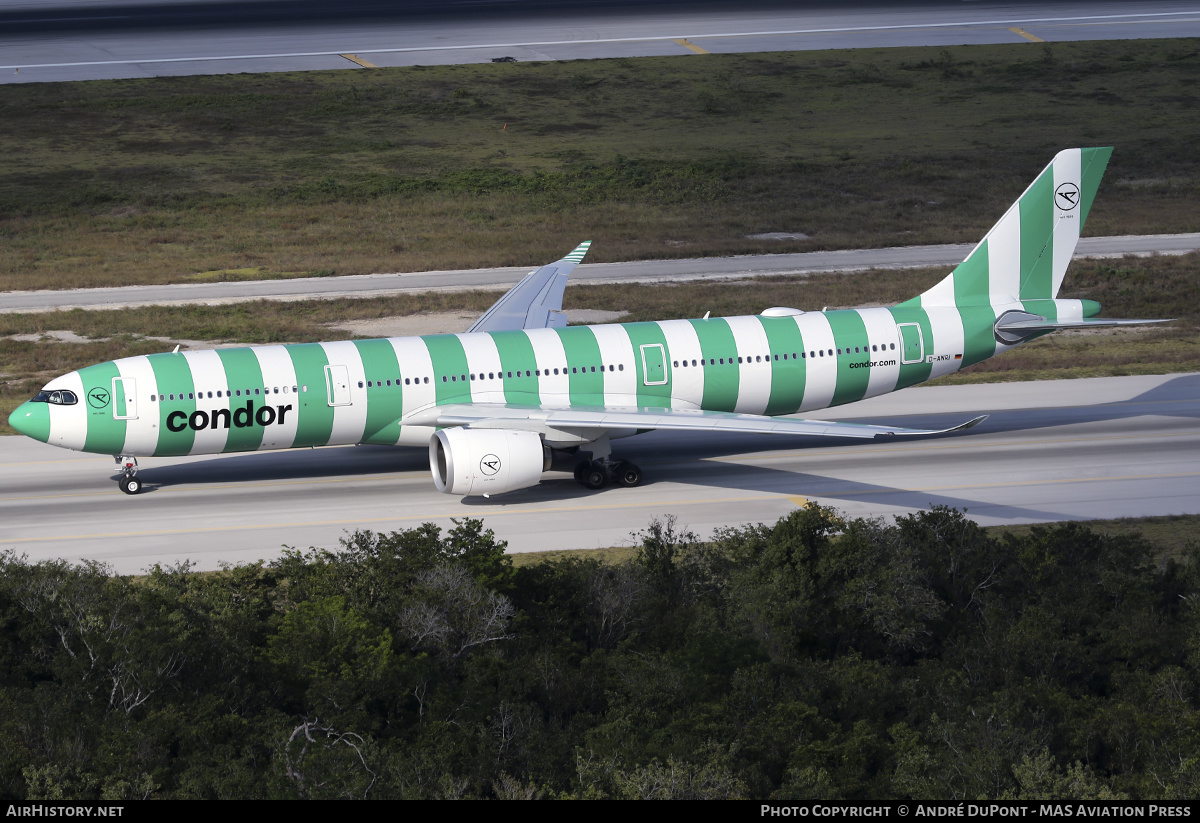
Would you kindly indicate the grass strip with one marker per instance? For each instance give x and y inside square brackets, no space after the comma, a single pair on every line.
[1171,533]
[412,169]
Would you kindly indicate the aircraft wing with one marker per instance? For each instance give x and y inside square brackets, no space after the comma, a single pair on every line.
[601,418]
[535,302]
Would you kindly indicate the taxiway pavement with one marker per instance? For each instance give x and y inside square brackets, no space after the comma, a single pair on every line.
[54,40]
[639,271]
[1052,450]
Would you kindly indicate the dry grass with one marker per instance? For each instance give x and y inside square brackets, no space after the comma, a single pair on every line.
[138,181]
[1172,534]
[609,557]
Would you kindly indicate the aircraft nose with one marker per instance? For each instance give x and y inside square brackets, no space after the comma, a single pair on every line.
[32,420]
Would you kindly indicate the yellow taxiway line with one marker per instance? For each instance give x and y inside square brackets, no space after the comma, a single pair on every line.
[354,58]
[1033,38]
[687,44]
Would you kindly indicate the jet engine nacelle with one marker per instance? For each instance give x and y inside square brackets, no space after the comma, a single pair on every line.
[486,461]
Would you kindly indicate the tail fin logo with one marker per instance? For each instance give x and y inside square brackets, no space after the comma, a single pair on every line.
[1066,196]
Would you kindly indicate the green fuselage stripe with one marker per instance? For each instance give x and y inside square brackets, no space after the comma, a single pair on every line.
[972,278]
[643,334]
[314,421]
[913,373]
[174,379]
[721,382]
[243,377]
[971,293]
[583,362]
[1046,308]
[979,338]
[787,376]
[449,368]
[849,332]
[516,356]
[385,403]
[105,434]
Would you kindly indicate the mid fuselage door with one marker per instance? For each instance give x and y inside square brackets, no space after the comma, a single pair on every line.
[124,398]
[912,343]
[654,364]
[337,385]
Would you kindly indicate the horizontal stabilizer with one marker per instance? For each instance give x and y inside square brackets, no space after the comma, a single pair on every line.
[1015,326]
[535,302]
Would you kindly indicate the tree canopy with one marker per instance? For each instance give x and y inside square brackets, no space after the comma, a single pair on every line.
[817,658]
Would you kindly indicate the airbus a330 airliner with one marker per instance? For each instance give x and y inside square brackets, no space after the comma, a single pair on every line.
[520,390]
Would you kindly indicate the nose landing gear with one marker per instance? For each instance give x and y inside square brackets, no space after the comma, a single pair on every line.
[128,482]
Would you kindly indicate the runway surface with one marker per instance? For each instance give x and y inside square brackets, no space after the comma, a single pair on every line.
[645,271]
[1054,450]
[52,40]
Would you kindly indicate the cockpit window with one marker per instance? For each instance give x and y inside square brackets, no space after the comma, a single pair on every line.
[58,397]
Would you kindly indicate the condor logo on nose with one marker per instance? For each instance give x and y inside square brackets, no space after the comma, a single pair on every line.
[242,418]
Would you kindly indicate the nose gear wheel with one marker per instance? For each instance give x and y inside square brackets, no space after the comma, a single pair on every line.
[129,482]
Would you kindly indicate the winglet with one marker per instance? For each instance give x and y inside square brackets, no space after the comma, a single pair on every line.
[580,250]
[927,432]
[535,302]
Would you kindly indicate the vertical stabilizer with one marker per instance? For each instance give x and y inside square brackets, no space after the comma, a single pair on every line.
[1026,254]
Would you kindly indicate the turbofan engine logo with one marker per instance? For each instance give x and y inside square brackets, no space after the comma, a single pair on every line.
[490,464]
[240,418]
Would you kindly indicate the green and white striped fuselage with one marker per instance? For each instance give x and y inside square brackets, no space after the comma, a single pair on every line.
[366,391]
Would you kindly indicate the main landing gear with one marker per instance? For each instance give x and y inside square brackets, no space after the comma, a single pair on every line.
[129,482]
[602,468]
[596,473]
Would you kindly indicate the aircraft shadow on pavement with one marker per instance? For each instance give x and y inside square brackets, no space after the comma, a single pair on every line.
[1178,397]
[286,464]
[689,461]
[657,451]
[692,454]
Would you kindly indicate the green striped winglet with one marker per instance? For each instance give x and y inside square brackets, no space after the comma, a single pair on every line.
[580,250]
